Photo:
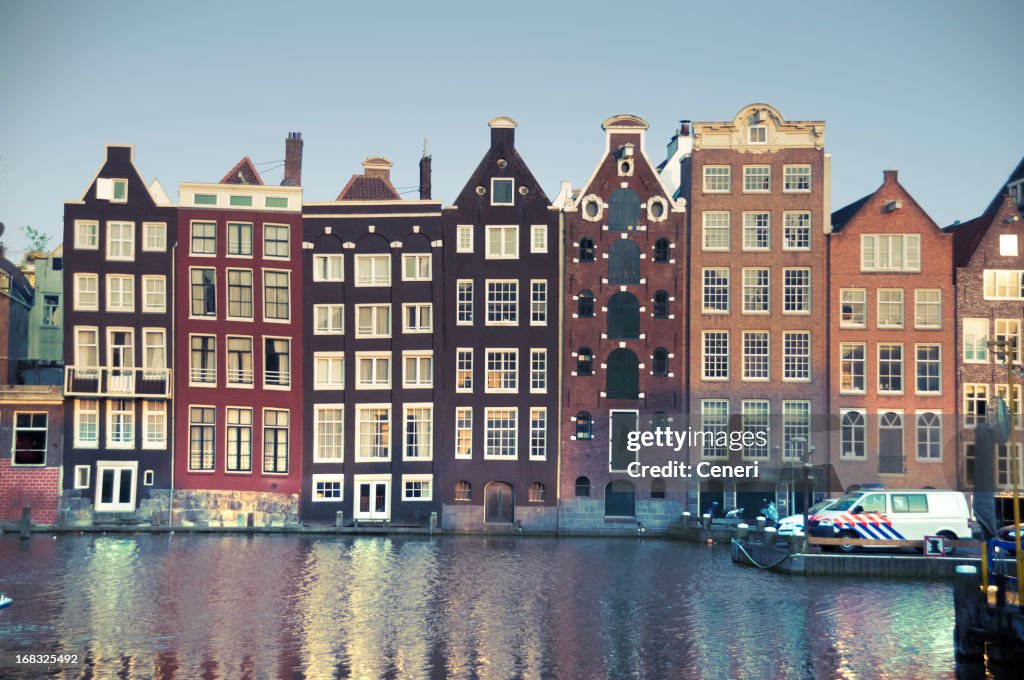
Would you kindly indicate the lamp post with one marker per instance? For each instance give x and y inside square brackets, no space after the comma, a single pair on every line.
[1005,350]
[801,442]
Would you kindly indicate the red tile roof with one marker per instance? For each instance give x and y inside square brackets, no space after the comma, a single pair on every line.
[244,172]
[364,188]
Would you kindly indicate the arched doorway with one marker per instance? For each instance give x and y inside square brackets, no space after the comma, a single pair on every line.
[499,503]
[619,499]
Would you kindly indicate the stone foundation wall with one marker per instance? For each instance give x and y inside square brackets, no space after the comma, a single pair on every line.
[232,508]
[78,510]
[533,518]
[586,516]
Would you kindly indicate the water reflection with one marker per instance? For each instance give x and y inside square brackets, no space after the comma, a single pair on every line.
[179,606]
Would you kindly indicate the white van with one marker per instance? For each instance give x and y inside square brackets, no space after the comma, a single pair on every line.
[895,514]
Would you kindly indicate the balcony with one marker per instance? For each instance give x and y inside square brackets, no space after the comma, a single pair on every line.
[120,383]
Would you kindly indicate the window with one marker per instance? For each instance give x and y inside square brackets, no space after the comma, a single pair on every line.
[464,432]
[623,210]
[538,303]
[328,319]
[418,432]
[86,294]
[276,238]
[1015,408]
[502,191]
[204,238]
[757,134]
[239,454]
[586,249]
[756,296]
[154,294]
[373,270]
[240,371]
[584,362]
[852,368]
[87,424]
[239,294]
[928,308]
[276,362]
[502,303]
[30,438]
[976,340]
[418,318]
[154,237]
[975,404]
[373,371]
[757,179]
[716,231]
[585,304]
[716,355]
[623,262]
[890,443]
[328,488]
[417,487]
[1008,331]
[538,370]
[796,424]
[463,370]
[503,243]
[582,487]
[417,369]
[796,178]
[416,267]
[329,432]
[204,292]
[154,353]
[87,348]
[373,432]
[82,474]
[120,240]
[373,321]
[240,201]
[890,253]
[796,291]
[714,421]
[240,239]
[203,360]
[659,361]
[584,426]
[51,310]
[717,179]
[502,370]
[1003,284]
[796,355]
[463,491]
[755,419]
[1008,245]
[890,308]
[500,432]
[87,234]
[756,361]
[853,307]
[890,368]
[536,493]
[464,302]
[120,424]
[756,231]
[854,430]
[661,305]
[275,295]
[328,370]
[929,437]
[204,199]
[275,441]
[716,290]
[929,369]
[328,268]
[120,293]
[202,422]
[538,238]
[464,238]
[796,231]
[623,317]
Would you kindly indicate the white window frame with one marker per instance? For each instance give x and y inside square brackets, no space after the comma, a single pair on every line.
[121,308]
[704,356]
[376,279]
[802,359]
[227,292]
[375,313]
[128,244]
[460,353]
[288,241]
[971,328]
[160,229]
[417,357]
[324,268]
[83,239]
[94,411]
[153,308]
[903,367]
[417,260]
[150,408]
[716,229]
[418,479]
[863,302]
[503,179]
[359,410]
[808,291]
[918,305]
[538,304]
[373,358]
[795,215]
[319,311]
[512,352]
[318,410]
[78,304]
[192,237]
[790,171]
[917,362]
[727,176]
[538,376]
[538,434]
[83,476]
[513,431]
[758,288]
[464,238]
[289,301]
[464,431]
[900,302]
[495,236]
[752,227]
[419,307]
[513,301]
[909,257]
[111,443]
[766,357]
[853,363]
[429,408]
[539,238]
[749,174]
[336,372]
[462,285]
[325,478]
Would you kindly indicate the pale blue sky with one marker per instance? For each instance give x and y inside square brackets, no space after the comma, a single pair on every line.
[933,89]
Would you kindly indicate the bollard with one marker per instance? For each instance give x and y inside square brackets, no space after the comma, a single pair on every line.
[433,521]
[26,522]
[1000,582]
[686,519]
[761,522]
[250,521]
[769,537]
[339,519]
[741,531]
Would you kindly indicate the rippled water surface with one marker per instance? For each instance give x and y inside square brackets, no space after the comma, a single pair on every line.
[179,606]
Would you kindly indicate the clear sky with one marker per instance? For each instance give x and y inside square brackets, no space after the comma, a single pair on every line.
[932,88]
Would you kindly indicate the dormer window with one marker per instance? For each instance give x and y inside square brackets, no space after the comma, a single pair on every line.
[758,134]
[120,191]
[502,191]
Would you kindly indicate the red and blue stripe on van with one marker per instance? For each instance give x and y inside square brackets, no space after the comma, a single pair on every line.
[868,525]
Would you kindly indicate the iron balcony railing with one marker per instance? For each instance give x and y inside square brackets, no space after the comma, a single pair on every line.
[119,382]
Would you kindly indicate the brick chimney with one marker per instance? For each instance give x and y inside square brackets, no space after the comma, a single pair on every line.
[425,175]
[889,176]
[292,160]
[684,128]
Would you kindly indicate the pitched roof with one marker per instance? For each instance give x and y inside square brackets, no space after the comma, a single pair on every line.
[845,214]
[1017,174]
[363,188]
[244,172]
[967,236]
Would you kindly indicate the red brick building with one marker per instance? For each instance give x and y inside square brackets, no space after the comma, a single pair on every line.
[32,430]
[892,325]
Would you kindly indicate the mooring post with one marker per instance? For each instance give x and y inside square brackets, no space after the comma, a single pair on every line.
[26,522]
[742,529]
[250,521]
[686,519]
[967,602]
[433,522]
[769,537]
[706,521]
[761,521]
[339,520]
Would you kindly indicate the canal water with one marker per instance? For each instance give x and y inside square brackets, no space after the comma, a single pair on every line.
[185,606]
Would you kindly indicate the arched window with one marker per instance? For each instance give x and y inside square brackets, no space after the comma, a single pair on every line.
[853,431]
[660,361]
[619,499]
[623,380]
[463,491]
[623,210]
[623,317]
[585,308]
[536,494]
[658,488]
[582,487]
[584,361]
[890,443]
[623,263]
[661,305]
[661,250]
[586,249]
[929,436]
[583,426]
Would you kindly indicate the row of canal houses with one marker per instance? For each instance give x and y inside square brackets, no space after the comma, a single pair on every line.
[249,355]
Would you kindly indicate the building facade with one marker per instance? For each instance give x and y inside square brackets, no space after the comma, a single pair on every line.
[32,429]
[892,325]
[46,319]
[500,362]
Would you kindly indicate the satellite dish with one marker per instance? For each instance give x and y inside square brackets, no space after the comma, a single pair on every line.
[999,421]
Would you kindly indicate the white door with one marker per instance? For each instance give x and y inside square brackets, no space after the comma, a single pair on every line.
[373,499]
[121,359]
[115,487]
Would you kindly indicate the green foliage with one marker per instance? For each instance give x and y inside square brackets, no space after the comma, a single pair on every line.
[37,240]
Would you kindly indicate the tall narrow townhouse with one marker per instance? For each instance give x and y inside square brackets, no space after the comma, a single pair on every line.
[623,340]
[501,354]
[374,281]
[892,338]
[757,197]
[989,259]
[118,341]
[238,416]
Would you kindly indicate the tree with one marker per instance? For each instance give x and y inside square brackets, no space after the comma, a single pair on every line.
[37,240]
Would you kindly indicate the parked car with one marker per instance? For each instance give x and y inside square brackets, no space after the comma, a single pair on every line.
[895,514]
[1008,534]
[794,523]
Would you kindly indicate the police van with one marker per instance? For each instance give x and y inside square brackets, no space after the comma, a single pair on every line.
[897,514]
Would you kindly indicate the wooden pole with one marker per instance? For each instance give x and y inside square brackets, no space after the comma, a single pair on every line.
[26,522]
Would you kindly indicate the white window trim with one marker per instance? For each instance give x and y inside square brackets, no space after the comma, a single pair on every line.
[418,478]
[327,257]
[547,303]
[391,321]
[326,306]
[852,324]
[88,476]
[327,356]
[391,439]
[417,257]
[500,228]
[252,439]
[430,440]
[988,336]
[122,258]
[704,177]
[77,303]
[940,362]
[216,363]
[703,229]
[412,331]
[356,259]
[878,308]
[472,302]
[942,436]
[744,355]
[515,430]
[110,443]
[917,292]
[79,244]
[262,349]
[227,294]
[503,179]
[536,229]
[291,301]
[145,237]
[263,435]
[227,364]
[846,456]
[277,258]
[101,466]
[464,456]
[810,178]
[78,443]
[878,369]
[147,408]
[119,310]
[529,429]
[757,191]
[216,231]
[464,390]
[515,353]
[864,360]
[327,478]
[360,385]
[417,354]
[459,231]
[487,302]
[544,352]
[317,408]
[162,309]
